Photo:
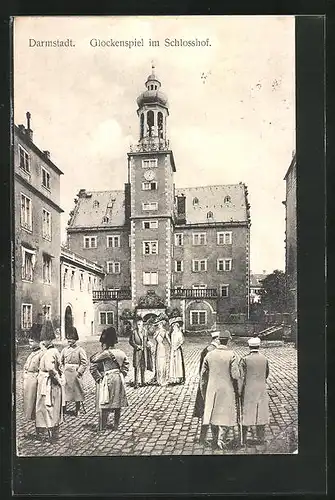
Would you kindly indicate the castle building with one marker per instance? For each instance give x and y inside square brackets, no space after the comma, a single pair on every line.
[161,246]
[36,232]
[291,236]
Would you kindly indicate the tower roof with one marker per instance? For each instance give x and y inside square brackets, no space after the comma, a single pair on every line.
[153,94]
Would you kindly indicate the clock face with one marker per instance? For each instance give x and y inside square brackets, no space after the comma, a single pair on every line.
[149,175]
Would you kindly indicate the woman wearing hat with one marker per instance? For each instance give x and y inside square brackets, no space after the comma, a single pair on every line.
[160,354]
[177,367]
[49,414]
[30,372]
[74,363]
[108,368]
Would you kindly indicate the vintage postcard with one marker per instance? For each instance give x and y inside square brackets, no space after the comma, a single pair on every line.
[155,236]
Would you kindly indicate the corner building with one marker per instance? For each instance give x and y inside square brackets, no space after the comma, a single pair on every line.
[161,246]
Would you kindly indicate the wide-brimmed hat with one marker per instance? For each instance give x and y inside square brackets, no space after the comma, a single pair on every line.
[72,333]
[47,331]
[108,336]
[177,319]
[35,332]
[159,318]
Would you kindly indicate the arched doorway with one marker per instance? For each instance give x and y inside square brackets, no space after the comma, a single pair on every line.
[68,319]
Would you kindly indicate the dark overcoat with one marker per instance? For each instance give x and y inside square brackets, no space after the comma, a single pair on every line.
[199,400]
[142,355]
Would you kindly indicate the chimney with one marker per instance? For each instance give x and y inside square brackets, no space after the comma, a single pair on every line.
[181,209]
[127,204]
[264,272]
[47,154]
[29,132]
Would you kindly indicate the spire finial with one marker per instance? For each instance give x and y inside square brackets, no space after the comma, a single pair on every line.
[153,67]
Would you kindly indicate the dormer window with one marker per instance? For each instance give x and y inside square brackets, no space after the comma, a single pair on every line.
[105,219]
[95,204]
[227,199]
[209,215]
[195,201]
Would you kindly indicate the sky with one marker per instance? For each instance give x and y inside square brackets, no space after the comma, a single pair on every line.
[235,125]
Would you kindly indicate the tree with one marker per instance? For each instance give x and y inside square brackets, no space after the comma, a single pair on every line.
[273,292]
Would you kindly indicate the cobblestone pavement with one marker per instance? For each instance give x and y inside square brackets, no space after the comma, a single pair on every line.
[159,420]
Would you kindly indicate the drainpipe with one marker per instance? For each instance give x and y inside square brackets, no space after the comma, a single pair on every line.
[60,299]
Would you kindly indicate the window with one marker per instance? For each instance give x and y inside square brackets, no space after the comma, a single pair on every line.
[195,201]
[27,316]
[224,238]
[199,265]
[149,163]
[113,241]
[47,312]
[179,239]
[81,282]
[65,277]
[105,219]
[209,215]
[129,240]
[90,242]
[149,186]
[150,247]
[224,264]
[28,264]
[107,318]
[46,269]
[224,290]
[113,267]
[45,178]
[150,224]
[198,317]
[89,284]
[95,204]
[26,212]
[199,239]
[150,278]
[84,318]
[178,266]
[200,286]
[24,159]
[94,283]
[72,280]
[46,224]
[153,205]
[227,199]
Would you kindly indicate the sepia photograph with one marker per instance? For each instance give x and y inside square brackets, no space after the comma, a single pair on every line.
[155,244]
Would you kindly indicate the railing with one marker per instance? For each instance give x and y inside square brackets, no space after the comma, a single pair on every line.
[111,295]
[151,145]
[194,293]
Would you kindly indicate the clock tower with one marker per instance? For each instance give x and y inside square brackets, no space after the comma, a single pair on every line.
[151,168]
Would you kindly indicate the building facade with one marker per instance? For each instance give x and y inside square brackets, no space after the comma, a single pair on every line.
[79,278]
[163,247]
[291,236]
[36,232]
[256,287]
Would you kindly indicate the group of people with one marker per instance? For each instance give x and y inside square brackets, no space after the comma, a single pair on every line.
[53,379]
[230,391]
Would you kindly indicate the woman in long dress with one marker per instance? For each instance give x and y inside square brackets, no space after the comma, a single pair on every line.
[177,366]
[108,368]
[160,354]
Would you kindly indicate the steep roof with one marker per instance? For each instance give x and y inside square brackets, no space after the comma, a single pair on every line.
[204,199]
[93,206]
[227,203]
[256,279]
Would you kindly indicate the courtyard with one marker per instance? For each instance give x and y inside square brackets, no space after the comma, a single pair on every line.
[159,420]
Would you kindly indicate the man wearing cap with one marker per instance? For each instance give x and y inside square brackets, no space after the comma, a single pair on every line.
[74,363]
[254,369]
[219,370]
[49,411]
[30,373]
[108,368]
[199,401]
[142,356]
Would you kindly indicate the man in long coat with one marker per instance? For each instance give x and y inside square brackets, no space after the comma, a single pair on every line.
[31,368]
[219,370]
[74,363]
[254,369]
[142,356]
[49,410]
[199,401]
